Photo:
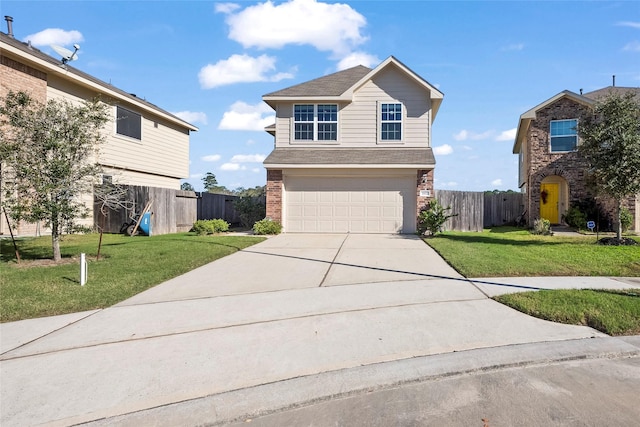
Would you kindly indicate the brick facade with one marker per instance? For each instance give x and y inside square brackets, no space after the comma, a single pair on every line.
[274,194]
[17,77]
[424,182]
[569,167]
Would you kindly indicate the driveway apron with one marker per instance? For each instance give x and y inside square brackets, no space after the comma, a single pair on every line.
[292,306]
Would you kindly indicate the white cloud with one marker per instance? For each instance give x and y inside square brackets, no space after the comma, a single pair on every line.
[196,175]
[54,36]
[334,27]
[192,116]
[507,135]
[226,7]
[256,170]
[496,182]
[465,135]
[240,69]
[232,167]
[448,184]
[443,150]
[629,24]
[248,158]
[211,158]
[633,46]
[467,148]
[513,47]
[243,116]
[358,58]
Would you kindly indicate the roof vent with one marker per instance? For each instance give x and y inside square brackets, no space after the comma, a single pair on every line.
[9,20]
[614,80]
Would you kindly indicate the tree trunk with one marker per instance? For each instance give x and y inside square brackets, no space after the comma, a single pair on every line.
[619,224]
[55,241]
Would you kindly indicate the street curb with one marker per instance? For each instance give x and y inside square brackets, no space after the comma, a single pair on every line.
[252,402]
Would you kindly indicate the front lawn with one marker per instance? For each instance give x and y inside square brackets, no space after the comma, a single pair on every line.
[611,312]
[128,266]
[513,252]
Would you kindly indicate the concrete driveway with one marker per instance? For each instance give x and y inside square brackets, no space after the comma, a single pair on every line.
[292,320]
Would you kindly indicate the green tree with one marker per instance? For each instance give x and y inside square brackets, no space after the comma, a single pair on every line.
[611,146]
[48,155]
[209,181]
[187,187]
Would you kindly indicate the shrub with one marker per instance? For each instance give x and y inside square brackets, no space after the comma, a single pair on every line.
[432,217]
[267,226]
[210,226]
[626,219]
[250,210]
[542,226]
[575,218]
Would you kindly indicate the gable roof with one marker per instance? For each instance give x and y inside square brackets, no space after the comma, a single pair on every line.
[40,60]
[589,98]
[528,116]
[341,86]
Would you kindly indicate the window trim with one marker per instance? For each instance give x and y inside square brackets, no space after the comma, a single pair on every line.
[122,135]
[574,134]
[315,124]
[380,122]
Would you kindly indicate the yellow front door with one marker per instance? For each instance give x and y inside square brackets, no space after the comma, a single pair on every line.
[549,202]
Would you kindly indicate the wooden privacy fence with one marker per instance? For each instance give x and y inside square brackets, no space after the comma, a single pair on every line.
[476,210]
[217,206]
[173,211]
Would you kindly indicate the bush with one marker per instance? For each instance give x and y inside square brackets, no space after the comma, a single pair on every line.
[267,226]
[210,226]
[432,217]
[250,210]
[575,218]
[585,210]
[626,219]
[542,226]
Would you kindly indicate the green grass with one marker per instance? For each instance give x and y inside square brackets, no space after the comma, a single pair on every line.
[128,266]
[611,312]
[511,252]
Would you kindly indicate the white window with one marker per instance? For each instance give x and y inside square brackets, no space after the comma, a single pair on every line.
[128,123]
[313,122]
[564,135]
[391,122]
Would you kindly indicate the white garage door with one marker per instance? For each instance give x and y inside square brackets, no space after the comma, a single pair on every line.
[356,205]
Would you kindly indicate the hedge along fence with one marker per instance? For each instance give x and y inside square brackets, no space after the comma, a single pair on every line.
[475,210]
[173,210]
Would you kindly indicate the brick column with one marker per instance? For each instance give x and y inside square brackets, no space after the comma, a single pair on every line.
[424,182]
[274,194]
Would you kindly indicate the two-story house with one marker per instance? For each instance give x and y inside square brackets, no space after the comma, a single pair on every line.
[145,145]
[352,151]
[551,172]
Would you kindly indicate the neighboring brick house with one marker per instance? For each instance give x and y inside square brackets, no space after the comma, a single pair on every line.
[551,172]
[145,145]
[352,151]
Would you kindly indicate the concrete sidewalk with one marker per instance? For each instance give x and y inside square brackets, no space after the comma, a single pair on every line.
[298,314]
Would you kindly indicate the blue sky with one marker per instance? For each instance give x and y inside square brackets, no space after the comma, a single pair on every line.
[211,62]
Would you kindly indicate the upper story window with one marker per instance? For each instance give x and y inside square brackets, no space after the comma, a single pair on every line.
[564,135]
[313,122]
[128,123]
[391,122]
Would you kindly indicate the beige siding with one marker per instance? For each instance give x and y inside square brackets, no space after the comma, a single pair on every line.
[130,177]
[358,120]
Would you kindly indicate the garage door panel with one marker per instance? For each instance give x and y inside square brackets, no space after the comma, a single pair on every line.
[358,205]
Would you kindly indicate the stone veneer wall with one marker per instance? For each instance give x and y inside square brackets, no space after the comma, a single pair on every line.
[16,77]
[274,194]
[424,182]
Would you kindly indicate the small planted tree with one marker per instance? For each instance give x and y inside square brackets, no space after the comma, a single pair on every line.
[432,217]
[611,146]
[48,154]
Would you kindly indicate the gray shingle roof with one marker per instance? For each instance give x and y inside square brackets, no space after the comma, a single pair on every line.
[30,50]
[331,85]
[417,157]
[601,93]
